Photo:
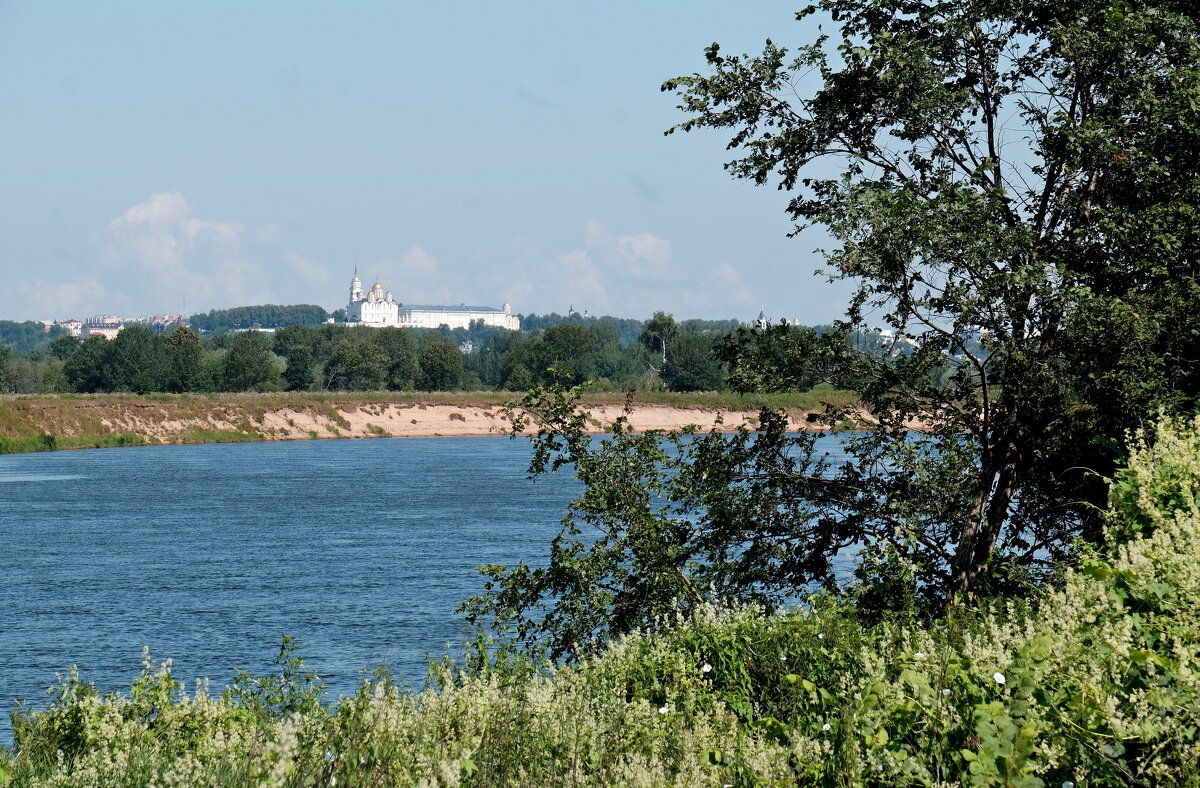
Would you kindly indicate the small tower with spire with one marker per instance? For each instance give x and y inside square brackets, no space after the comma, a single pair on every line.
[762,321]
[356,291]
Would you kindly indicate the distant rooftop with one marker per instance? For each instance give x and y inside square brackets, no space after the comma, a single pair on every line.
[456,308]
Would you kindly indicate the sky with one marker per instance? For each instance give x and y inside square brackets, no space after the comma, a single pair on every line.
[167,158]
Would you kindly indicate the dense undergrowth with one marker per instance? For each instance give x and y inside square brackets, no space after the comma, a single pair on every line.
[1095,683]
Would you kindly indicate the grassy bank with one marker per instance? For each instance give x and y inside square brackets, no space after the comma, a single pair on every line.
[1095,683]
[71,421]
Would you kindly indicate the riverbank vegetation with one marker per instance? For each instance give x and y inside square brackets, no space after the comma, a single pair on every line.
[1092,681]
[30,423]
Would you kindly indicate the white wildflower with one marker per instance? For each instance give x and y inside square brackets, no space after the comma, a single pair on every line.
[705,668]
[826,726]
[919,655]
[821,635]
[999,677]
[1068,784]
[945,690]
[662,709]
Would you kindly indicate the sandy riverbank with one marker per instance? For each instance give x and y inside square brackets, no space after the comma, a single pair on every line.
[425,420]
[106,420]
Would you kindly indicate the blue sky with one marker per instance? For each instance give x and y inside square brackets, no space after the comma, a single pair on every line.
[207,155]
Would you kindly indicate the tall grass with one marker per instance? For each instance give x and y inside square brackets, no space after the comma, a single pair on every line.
[26,445]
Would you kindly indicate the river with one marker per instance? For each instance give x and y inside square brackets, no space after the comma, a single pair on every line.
[360,549]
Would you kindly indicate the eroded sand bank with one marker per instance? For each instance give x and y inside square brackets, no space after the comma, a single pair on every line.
[121,419]
[400,420]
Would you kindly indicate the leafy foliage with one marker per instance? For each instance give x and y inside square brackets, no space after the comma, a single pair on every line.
[249,365]
[27,336]
[136,360]
[691,364]
[441,367]
[785,357]
[1012,187]
[667,522]
[264,316]
[357,364]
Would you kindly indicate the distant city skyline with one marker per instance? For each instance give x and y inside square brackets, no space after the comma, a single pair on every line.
[182,158]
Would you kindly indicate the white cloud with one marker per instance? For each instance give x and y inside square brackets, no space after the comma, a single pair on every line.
[597,276]
[181,255]
[316,277]
[646,255]
[417,262]
[222,232]
[161,209]
[416,278]
[60,300]
[634,273]
[596,234]
[615,259]
[576,275]
[731,283]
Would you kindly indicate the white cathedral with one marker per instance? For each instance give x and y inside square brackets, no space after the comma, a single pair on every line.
[377,308]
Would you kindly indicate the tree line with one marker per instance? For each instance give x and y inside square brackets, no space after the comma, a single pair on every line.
[262,316]
[687,355]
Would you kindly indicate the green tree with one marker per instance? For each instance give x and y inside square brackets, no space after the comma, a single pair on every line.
[27,336]
[249,364]
[25,376]
[1011,186]
[784,357]
[136,361]
[441,367]
[1013,168]
[692,365]
[5,361]
[569,349]
[519,378]
[306,336]
[399,346]
[84,370]
[621,364]
[263,316]
[668,521]
[657,334]
[521,363]
[357,364]
[186,358]
[486,360]
[299,375]
[62,346]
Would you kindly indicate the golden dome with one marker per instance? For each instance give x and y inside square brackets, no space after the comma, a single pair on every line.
[355,279]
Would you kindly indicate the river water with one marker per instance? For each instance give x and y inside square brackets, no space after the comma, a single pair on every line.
[359,549]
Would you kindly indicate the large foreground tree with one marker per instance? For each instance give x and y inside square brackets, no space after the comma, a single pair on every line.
[1013,187]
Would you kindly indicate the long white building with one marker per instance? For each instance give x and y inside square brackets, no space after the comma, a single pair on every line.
[377,307]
